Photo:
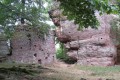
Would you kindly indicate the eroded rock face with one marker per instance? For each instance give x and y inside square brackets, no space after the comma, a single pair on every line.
[29,47]
[98,50]
[89,46]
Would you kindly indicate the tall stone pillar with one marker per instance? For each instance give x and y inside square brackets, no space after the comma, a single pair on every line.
[29,47]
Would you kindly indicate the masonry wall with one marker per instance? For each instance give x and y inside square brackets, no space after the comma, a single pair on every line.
[4,49]
[29,47]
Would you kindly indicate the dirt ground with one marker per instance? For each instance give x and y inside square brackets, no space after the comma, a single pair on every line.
[58,71]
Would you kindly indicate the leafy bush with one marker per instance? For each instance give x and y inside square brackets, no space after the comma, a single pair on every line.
[61,54]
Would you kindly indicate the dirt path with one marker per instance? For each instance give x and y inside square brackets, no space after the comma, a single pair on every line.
[72,72]
[58,71]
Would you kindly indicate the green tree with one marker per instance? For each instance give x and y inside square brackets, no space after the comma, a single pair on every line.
[32,11]
[83,11]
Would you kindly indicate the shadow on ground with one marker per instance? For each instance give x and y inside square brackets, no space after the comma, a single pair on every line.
[24,72]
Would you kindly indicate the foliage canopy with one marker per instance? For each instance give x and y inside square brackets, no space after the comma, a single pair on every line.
[83,11]
[32,11]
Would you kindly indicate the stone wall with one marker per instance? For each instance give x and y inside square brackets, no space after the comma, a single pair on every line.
[89,46]
[4,49]
[29,47]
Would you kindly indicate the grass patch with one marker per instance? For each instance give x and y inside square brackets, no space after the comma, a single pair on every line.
[100,71]
[13,71]
[76,72]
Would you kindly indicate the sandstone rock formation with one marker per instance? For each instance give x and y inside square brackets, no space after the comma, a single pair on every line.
[29,47]
[89,46]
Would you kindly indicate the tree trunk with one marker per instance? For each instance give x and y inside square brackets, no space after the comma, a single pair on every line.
[22,18]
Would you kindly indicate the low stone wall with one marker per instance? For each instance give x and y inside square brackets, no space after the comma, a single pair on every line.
[4,49]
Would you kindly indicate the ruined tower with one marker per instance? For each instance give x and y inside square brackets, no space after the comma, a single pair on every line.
[29,47]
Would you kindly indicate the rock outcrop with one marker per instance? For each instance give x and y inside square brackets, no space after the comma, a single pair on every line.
[89,46]
[29,47]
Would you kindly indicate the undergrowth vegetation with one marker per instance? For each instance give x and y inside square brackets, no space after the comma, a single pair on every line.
[62,55]
[71,72]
